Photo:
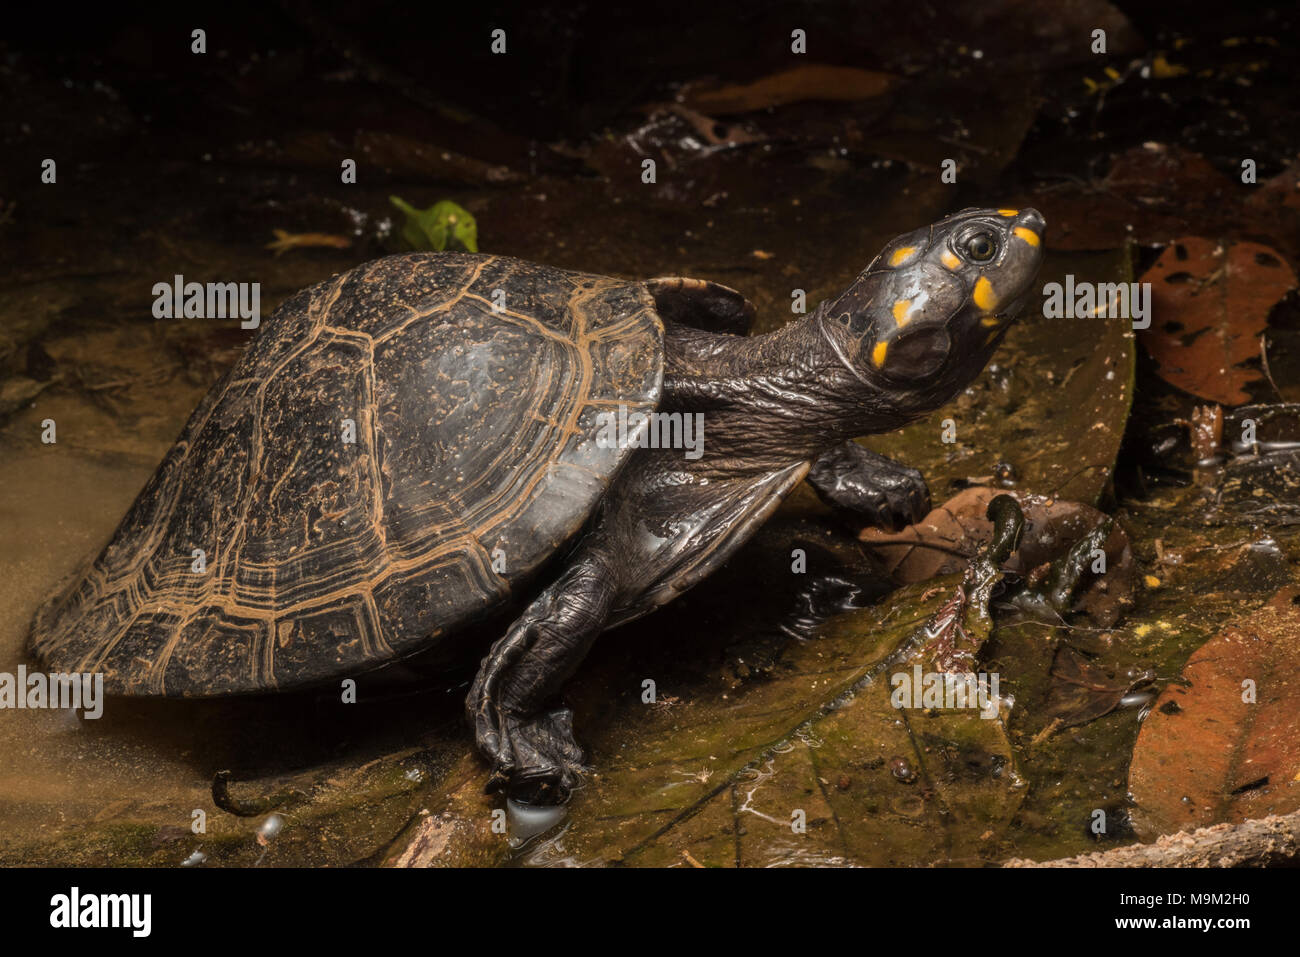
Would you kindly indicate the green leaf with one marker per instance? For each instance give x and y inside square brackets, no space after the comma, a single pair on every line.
[434,227]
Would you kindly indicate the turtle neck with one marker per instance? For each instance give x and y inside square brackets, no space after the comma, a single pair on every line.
[777,398]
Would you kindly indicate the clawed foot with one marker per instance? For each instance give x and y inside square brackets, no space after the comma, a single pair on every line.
[535,758]
[870,487]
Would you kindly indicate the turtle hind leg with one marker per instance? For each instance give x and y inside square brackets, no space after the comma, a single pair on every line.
[518,725]
[863,485]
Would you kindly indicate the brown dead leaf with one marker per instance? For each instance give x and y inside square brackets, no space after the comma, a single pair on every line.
[815,82]
[1209,304]
[1157,173]
[1207,753]
[1281,192]
[1157,191]
[1083,691]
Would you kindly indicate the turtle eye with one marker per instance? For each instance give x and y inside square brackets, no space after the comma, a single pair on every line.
[981,247]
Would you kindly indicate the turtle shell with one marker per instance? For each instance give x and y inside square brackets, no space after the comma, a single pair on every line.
[397,450]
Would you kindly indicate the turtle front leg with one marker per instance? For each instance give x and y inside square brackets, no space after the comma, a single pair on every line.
[518,725]
[870,487]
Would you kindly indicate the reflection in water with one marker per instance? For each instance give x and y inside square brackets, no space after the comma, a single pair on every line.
[527,821]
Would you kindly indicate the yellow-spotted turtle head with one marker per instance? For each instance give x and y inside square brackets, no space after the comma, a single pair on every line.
[931,308]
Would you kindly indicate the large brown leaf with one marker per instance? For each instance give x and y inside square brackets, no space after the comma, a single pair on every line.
[1205,755]
[1209,304]
[813,82]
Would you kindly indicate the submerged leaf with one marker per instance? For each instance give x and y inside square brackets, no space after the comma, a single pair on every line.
[1222,745]
[1210,303]
[1082,691]
[807,762]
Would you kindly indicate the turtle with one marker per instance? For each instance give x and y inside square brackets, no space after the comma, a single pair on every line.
[407,448]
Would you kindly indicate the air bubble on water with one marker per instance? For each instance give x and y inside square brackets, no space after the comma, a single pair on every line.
[1137,699]
[272,826]
[526,821]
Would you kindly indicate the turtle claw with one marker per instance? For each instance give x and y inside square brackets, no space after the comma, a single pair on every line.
[537,760]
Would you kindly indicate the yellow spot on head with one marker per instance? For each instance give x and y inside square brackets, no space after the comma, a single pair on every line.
[984,295]
[988,340]
[901,255]
[878,353]
[1028,235]
[950,259]
[990,321]
[1008,212]
[900,311]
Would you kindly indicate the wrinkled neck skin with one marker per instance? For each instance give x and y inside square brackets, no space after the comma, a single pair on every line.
[779,398]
